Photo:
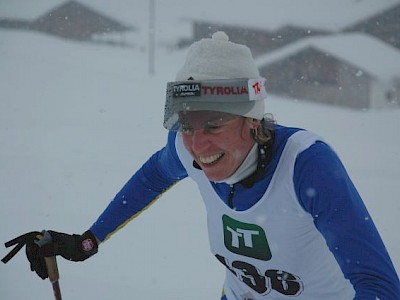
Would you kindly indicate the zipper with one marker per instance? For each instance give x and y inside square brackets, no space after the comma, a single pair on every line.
[230,196]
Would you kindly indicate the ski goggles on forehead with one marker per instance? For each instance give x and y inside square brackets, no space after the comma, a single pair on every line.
[232,96]
[210,121]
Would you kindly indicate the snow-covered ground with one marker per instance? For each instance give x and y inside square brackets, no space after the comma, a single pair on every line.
[76,120]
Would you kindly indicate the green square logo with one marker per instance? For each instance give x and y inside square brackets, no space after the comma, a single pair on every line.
[245,239]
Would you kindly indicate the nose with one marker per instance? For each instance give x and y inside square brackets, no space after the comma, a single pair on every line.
[200,140]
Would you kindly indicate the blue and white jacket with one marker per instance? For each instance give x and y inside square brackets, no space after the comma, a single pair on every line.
[333,205]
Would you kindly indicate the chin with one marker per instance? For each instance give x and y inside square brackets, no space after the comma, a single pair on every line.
[215,177]
[217,171]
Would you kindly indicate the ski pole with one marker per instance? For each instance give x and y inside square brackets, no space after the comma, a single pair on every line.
[51,265]
[54,276]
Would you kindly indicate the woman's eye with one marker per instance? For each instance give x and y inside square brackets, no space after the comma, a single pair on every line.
[213,127]
[187,130]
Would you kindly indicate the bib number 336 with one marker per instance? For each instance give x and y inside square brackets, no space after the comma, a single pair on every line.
[277,280]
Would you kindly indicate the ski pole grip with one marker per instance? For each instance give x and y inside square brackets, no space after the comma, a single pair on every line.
[52,268]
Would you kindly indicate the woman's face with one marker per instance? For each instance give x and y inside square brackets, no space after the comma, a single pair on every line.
[219,144]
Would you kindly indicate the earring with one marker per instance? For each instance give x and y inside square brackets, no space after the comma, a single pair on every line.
[255,132]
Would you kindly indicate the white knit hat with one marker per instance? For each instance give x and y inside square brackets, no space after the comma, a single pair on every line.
[216,59]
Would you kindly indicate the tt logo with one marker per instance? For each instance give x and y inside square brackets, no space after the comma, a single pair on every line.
[246,235]
[245,239]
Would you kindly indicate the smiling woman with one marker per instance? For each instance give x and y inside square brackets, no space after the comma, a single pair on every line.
[284,218]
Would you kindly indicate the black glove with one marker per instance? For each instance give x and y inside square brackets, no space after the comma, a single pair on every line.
[50,243]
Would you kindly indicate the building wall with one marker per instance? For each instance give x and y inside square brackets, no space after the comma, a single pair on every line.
[354,86]
[395,100]
[305,75]
[385,94]
[312,75]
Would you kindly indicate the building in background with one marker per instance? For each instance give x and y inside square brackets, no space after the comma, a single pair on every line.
[75,21]
[352,70]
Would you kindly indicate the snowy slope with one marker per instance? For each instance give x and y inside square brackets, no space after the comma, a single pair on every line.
[77,120]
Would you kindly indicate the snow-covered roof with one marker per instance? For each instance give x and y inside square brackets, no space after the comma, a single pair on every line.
[360,50]
[123,10]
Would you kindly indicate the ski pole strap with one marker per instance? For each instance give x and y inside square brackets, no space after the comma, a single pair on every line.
[20,241]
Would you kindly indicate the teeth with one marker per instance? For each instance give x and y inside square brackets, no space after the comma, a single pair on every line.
[210,159]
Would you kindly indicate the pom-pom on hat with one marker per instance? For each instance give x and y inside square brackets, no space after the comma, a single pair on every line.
[218,75]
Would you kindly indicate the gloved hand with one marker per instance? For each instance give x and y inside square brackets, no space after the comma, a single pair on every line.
[50,243]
